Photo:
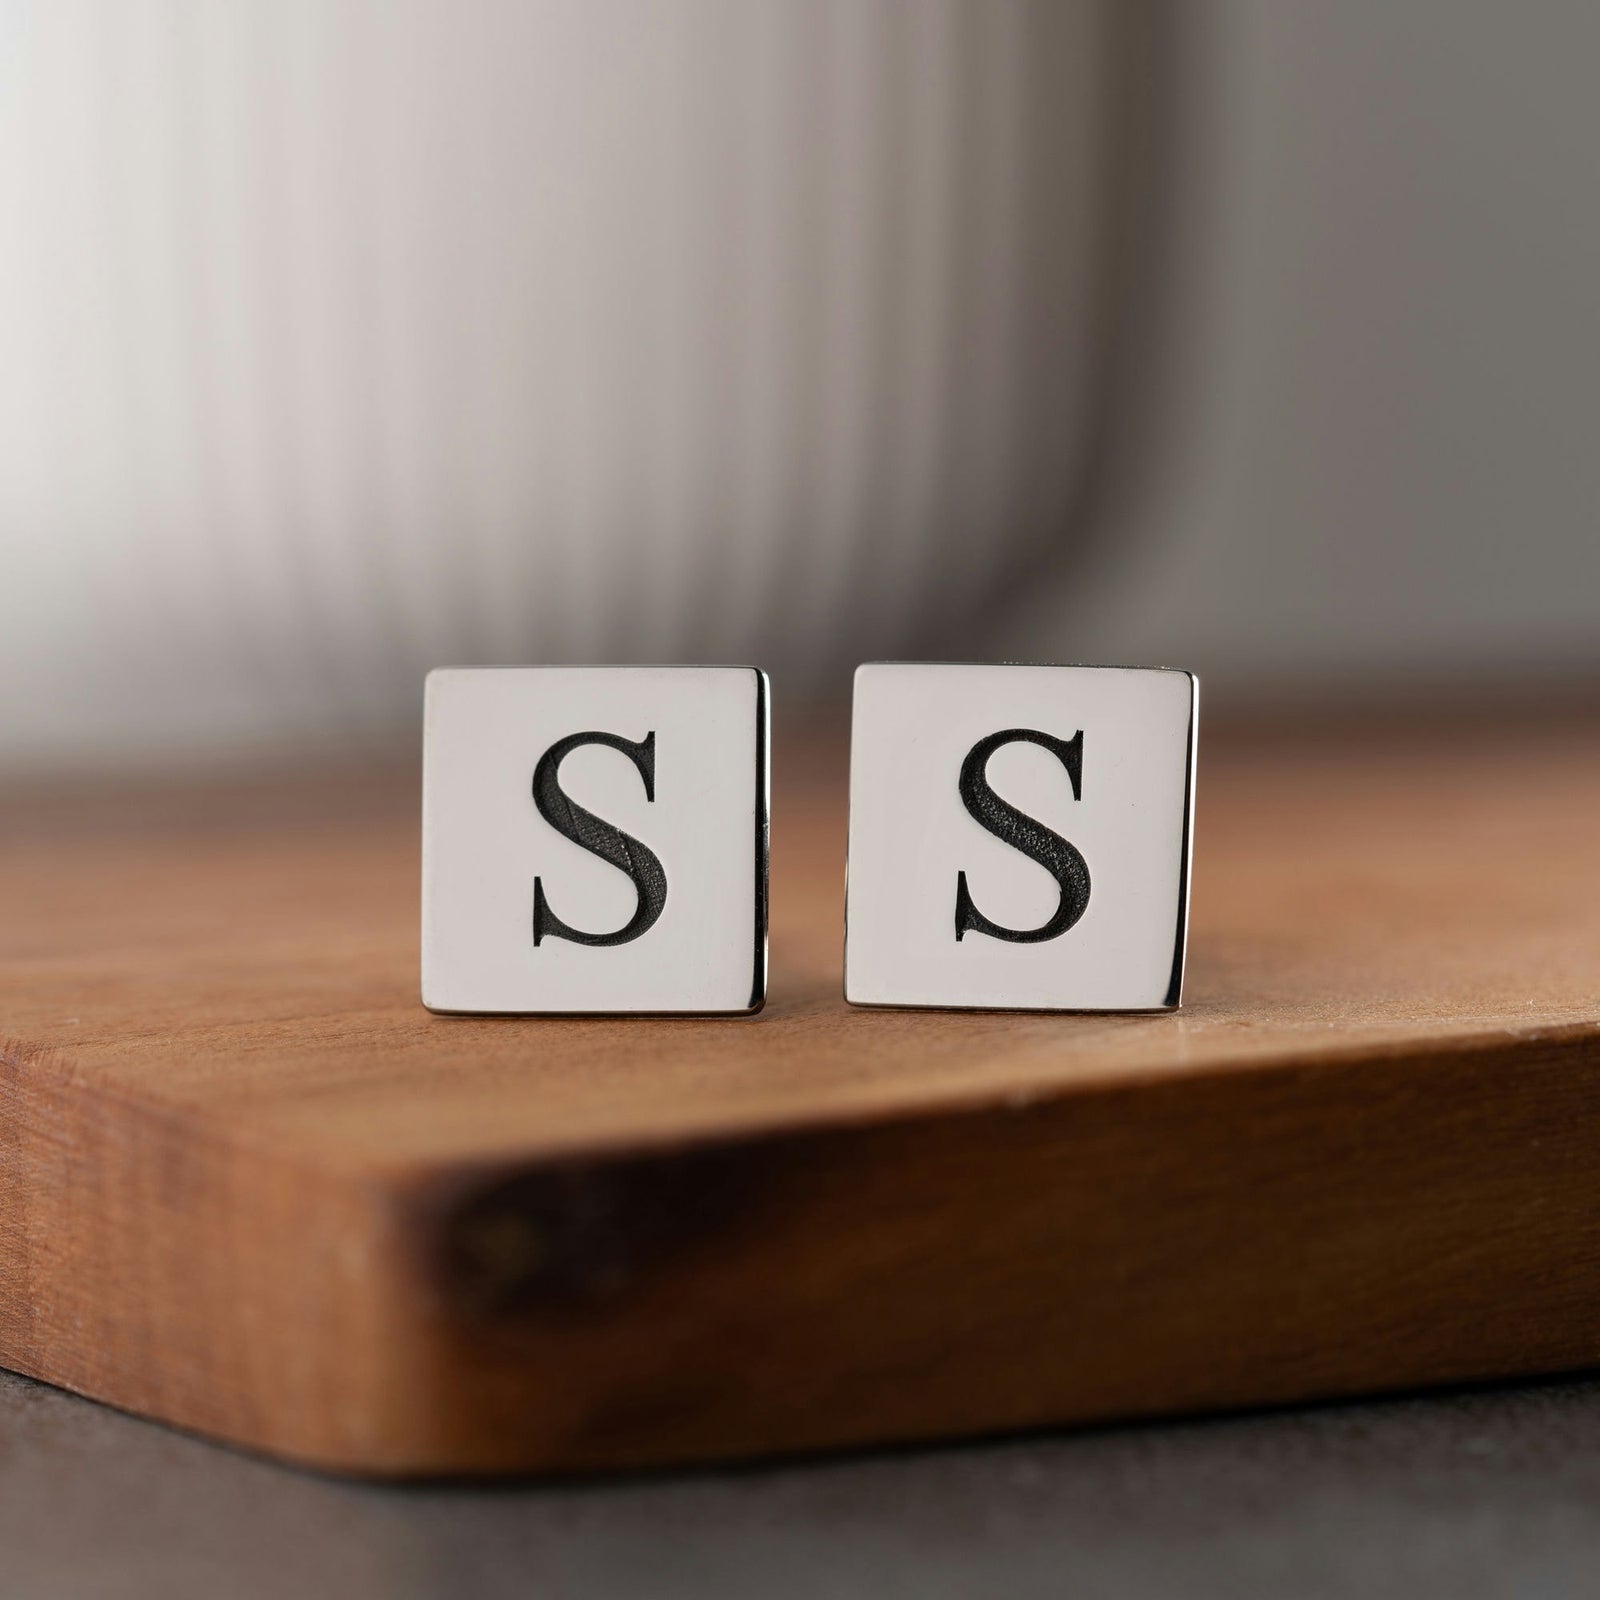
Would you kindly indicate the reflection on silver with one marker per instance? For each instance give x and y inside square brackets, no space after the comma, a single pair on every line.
[1077,843]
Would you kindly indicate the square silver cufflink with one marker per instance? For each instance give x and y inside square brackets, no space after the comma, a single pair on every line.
[1019,836]
[594,839]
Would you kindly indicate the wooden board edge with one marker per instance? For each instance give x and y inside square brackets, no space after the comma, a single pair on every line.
[1190,1245]
[1185,1245]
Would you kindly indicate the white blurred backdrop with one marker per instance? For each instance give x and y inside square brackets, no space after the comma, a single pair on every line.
[348,337]
[340,339]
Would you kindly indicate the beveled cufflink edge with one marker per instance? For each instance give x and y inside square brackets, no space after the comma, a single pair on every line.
[1173,998]
[762,822]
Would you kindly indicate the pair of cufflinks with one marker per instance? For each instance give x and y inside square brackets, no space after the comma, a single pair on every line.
[595,838]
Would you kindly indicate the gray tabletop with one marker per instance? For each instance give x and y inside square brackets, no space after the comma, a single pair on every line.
[1486,1493]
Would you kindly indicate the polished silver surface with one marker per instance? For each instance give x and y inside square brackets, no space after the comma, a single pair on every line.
[594,840]
[1019,836]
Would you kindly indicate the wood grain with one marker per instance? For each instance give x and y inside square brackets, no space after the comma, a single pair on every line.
[248,1185]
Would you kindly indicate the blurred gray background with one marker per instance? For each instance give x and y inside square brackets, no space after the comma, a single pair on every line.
[341,339]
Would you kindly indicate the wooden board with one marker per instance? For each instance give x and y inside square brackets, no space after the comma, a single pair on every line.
[248,1185]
